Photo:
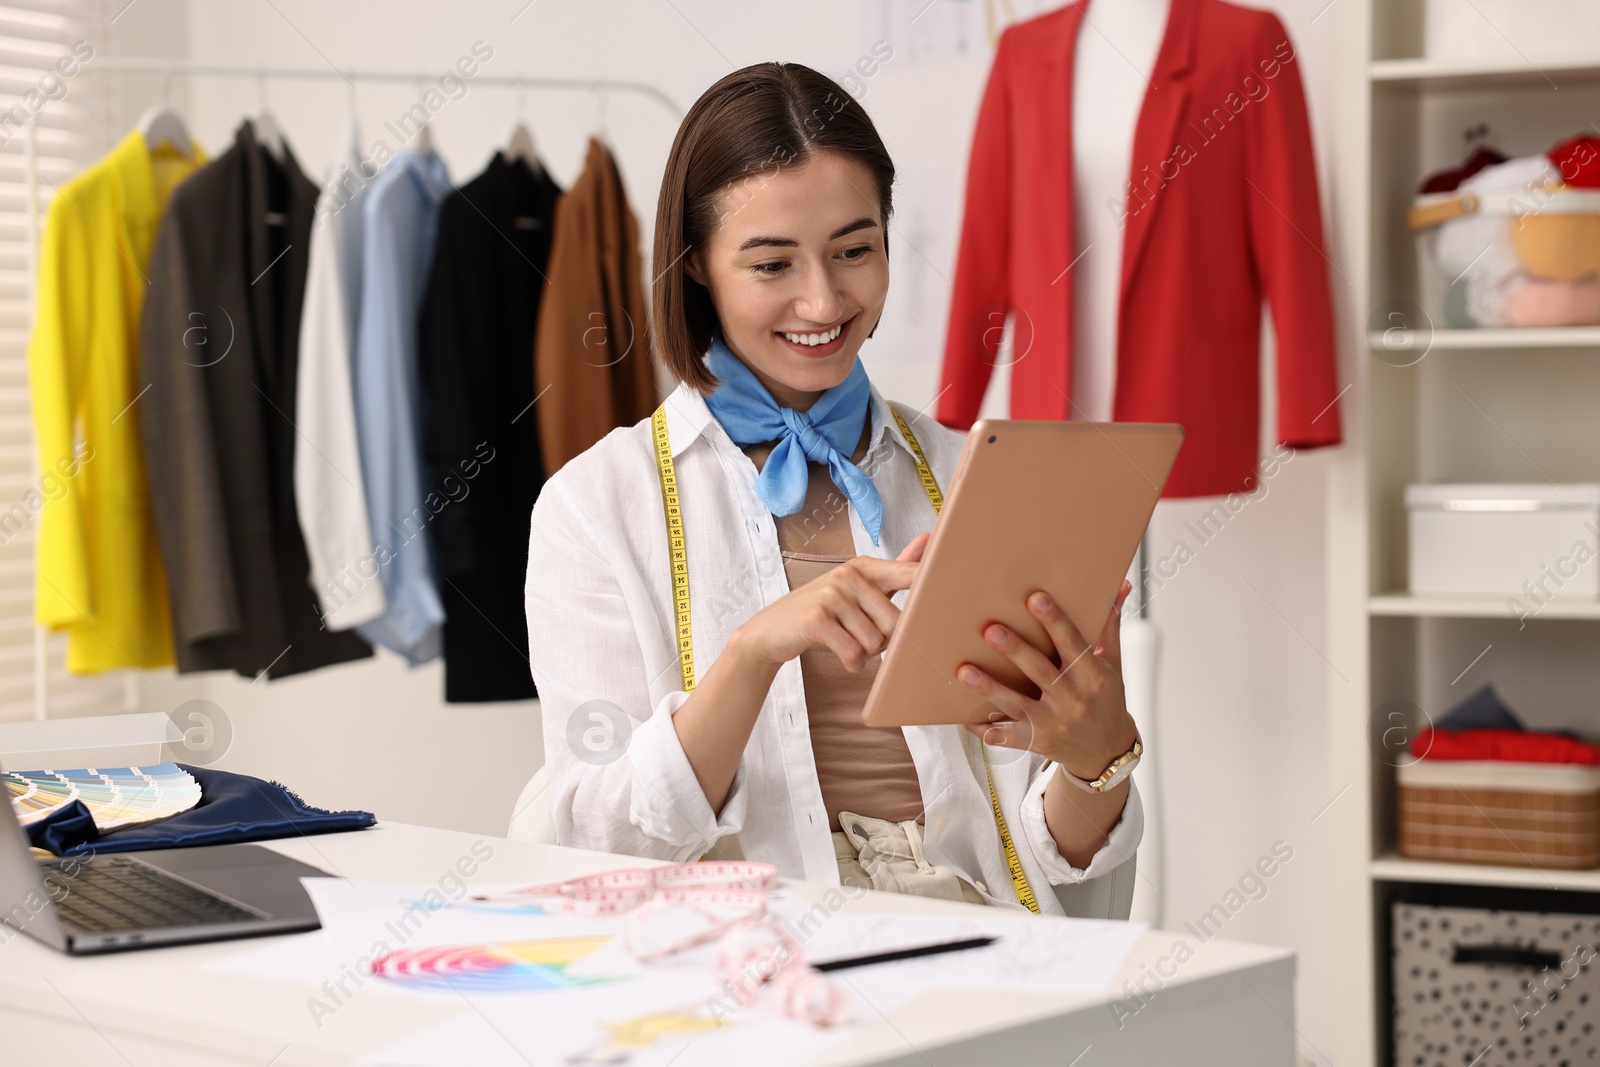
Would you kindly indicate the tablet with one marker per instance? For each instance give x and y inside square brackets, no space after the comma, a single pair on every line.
[1033,504]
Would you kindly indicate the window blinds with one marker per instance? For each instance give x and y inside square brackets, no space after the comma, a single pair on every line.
[34,35]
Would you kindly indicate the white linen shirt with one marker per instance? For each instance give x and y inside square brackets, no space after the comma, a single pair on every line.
[601,627]
[329,491]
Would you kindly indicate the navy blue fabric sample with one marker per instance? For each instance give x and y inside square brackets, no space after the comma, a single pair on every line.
[233,807]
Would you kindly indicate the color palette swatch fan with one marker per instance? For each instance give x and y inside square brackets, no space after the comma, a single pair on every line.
[116,797]
[508,967]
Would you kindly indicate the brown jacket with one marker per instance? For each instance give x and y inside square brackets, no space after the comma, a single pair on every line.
[592,347]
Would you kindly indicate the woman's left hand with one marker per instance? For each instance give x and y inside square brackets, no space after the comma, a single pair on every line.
[1080,718]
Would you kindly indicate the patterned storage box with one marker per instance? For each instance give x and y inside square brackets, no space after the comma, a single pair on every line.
[1481,987]
[1492,811]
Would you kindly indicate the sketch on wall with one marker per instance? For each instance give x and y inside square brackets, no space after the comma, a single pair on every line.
[933,31]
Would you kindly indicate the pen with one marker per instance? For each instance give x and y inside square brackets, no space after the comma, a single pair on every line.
[904,954]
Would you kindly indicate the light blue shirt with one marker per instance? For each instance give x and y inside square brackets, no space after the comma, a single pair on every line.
[400,215]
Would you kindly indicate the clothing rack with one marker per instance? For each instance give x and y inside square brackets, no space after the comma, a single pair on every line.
[160,65]
[190,68]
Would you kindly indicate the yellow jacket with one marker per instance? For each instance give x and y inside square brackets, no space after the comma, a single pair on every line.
[100,576]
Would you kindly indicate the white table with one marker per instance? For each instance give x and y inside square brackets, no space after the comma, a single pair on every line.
[1231,1003]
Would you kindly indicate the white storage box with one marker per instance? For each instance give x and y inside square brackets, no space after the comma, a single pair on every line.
[1538,541]
[130,740]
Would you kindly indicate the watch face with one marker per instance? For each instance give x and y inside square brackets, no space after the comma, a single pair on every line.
[1120,773]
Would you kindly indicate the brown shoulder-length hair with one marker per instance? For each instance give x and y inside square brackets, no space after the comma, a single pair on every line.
[743,131]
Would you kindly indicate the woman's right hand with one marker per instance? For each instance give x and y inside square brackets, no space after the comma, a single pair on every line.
[847,609]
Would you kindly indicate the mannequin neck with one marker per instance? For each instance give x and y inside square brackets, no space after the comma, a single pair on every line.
[1112,17]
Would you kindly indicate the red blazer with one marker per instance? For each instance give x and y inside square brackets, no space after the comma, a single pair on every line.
[1222,209]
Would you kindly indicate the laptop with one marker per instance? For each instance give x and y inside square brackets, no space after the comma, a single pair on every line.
[91,904]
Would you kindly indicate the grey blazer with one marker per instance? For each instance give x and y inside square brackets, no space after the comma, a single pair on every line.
[219,344]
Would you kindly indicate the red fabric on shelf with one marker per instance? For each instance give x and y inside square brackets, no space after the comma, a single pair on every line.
[1446,181]
[1518,746]
[1578,161]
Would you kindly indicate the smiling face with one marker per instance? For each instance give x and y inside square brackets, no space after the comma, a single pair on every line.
[798,273]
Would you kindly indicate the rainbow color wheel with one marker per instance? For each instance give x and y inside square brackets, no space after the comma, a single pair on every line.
[508,967]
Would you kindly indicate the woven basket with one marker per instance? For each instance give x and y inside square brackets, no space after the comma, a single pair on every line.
[1496,812]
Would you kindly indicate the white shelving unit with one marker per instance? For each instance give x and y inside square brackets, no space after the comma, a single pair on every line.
[1506,71]
[1393,867]
[1574,337]
[1435,405]
[1401,605]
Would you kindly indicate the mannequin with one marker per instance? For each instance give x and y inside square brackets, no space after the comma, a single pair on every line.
[1116,51]
[1196,268]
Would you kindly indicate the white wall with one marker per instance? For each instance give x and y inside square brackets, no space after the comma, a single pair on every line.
[1242,683]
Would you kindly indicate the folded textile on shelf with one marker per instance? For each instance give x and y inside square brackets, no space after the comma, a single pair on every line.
[1481,727]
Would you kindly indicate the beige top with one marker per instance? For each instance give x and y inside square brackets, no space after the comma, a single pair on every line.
[863,769]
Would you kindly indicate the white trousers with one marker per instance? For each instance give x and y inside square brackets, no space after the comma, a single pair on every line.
[879,854]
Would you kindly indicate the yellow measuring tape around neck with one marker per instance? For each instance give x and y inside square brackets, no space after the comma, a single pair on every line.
[676,546]
[679,555]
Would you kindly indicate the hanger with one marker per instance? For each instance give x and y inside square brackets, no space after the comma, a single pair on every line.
[266,127]
[161,124]
[425,131]
[269,137]
[601,96]
[520,147]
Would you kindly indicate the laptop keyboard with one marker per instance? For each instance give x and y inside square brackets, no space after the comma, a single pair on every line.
[122,894]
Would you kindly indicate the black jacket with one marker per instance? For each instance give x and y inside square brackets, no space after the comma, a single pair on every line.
[219,343]
[482,438]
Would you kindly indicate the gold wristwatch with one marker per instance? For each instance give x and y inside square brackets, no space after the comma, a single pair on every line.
[1115,771]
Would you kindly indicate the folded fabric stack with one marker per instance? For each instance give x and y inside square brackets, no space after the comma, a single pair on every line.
[1514,242]
[1485,789]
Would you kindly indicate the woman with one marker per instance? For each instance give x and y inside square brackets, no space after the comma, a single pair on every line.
[706,700]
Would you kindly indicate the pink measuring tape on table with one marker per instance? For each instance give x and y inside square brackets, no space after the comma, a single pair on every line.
[729,897]
[723,883]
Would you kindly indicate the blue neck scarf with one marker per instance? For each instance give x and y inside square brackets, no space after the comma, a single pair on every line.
[827,433]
